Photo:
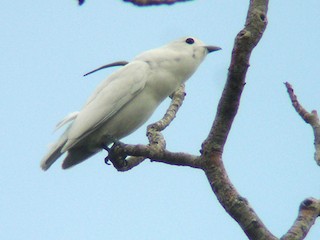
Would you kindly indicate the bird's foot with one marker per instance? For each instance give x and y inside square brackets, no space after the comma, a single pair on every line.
[109,138]
[115,155]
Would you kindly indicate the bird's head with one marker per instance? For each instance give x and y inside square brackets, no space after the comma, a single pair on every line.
[193,47]
[183,55]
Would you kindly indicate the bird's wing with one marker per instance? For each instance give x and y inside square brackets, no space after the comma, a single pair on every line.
[112,94]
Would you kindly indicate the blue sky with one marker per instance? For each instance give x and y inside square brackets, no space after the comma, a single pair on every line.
[47,46]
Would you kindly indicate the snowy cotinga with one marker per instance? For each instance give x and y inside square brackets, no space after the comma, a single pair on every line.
[126,99]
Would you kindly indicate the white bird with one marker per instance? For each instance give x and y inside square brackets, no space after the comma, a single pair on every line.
[126,99]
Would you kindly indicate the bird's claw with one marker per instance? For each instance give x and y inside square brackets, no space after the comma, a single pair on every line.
[106,161]
[115,155]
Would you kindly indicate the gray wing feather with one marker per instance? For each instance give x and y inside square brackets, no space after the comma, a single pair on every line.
[112,94]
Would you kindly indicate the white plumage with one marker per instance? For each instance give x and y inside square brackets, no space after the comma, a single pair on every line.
[126,100]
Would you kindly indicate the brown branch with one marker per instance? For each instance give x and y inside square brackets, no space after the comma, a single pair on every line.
[310,118]
[154,130]
[147,2]
[308,212]
[120,151]
[212,147]
[154,2]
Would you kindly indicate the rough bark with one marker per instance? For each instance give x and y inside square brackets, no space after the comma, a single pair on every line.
[212,148]
[308,212]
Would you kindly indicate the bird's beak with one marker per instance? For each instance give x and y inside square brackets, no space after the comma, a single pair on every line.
[212,48]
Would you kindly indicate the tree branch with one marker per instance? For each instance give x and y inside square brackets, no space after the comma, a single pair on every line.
[309,210]
[154,2]
[212,147]
[147,2]
[310,118]
[154,130]
[121,150]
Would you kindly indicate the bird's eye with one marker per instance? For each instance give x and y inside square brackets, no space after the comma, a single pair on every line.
[190,40]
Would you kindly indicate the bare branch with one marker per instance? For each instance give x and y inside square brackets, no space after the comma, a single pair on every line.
[307,117]
[147,2]
[308,212]
[153,130]
[154,2]
[310,118]
[212,148]
[120,151]
[245,41]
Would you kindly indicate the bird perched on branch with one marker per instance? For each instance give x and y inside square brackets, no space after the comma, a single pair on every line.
[126,99]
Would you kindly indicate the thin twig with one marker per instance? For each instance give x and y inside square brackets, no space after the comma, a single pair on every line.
[154,130]
[154,2]
[147,2]
[310,118]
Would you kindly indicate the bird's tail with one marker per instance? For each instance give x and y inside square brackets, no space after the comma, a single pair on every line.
[76,156]
[54,153]
[55,150]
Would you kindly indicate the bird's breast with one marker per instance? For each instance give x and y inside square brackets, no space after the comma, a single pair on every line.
[129,118]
